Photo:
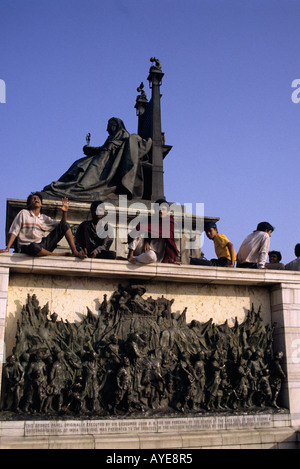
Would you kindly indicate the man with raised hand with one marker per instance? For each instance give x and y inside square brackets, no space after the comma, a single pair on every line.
[30,225]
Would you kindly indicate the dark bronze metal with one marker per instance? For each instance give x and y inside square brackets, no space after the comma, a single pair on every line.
[137,357]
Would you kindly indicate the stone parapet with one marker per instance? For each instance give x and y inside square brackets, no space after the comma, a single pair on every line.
[163,272]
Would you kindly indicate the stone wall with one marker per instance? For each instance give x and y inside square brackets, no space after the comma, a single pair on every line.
[71,285]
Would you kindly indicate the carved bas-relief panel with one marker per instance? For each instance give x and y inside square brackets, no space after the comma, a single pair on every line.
[70,296]
[136,356]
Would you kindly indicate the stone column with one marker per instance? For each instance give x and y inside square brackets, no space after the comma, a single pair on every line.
[285,307]
[155,78]
[4,276]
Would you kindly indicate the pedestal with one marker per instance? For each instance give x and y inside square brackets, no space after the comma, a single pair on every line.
[70,286]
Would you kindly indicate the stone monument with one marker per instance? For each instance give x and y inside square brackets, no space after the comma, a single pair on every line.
[143,363]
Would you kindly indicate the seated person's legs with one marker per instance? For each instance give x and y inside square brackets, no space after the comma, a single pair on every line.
[106,255]
[198,261]
[137,253]
[221,262]
[247,265]
[135,248]
[146,257]
[49,243]
[33,249]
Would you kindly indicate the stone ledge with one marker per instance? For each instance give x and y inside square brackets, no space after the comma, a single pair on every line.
[164,272]
[280,438]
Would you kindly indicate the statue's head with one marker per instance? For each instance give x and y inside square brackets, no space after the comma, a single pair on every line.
[126,361]
[114,125]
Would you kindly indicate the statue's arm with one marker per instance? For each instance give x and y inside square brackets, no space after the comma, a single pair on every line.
[91,151]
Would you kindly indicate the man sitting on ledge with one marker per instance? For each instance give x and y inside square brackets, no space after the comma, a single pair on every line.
[156,241]
[94,236]
[274,261]
[254,250]
[295,264]
[30,225]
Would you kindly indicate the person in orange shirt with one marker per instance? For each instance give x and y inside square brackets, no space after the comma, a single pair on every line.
[226,255]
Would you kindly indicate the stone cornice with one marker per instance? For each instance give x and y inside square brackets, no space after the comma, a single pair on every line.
[65,266]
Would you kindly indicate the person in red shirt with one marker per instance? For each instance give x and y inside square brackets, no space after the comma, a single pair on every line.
[156,242]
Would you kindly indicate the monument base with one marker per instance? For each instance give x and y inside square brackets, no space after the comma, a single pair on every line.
[217,292]
[260,430]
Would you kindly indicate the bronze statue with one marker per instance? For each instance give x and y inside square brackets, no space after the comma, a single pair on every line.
[14,380]
[56,385]
[276,377]
[37,383]
[123,392]
[113,168]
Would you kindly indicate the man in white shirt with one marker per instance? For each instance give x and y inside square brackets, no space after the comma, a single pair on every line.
[295,264]
[30,226]
[254,250]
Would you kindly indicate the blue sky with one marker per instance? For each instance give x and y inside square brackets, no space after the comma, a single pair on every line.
[70,65]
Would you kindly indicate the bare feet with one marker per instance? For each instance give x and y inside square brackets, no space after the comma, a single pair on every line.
[175,262]
[80,254]
[132,260]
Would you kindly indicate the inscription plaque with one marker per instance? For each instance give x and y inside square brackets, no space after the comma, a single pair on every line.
[163,425]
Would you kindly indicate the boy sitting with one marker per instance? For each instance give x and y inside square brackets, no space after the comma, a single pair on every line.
[274,261]
[30,225]
[224,249]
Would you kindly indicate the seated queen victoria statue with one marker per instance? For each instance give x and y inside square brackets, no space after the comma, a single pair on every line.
[113,168]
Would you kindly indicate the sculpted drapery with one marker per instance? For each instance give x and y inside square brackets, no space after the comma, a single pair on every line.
[114,167]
